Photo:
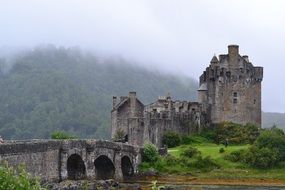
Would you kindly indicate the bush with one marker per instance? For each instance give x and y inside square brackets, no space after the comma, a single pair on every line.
[171,139]
[17,179]
[236,156]
[208,134]
[273,138]
[190,152]
[62,135]
[119,135]
[205,164]
[170,160]
[261,157]
[150,153]
[235,133]
[222,150]
[193,139]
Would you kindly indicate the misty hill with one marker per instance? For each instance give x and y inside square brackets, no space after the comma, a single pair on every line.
[270,119]
[50,89]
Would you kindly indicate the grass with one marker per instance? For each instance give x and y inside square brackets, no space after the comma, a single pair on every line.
[228,170]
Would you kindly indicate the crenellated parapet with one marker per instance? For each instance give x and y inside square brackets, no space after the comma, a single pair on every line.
[230,88]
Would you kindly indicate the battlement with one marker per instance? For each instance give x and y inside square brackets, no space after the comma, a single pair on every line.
[230,88]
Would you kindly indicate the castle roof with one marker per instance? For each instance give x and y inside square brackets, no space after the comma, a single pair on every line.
[125,100]
[214,59]
[203,87]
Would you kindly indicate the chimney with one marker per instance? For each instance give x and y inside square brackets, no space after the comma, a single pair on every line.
[233,52]
[114,101]
[133,98]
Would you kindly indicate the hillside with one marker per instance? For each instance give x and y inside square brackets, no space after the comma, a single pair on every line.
[269,119]
[50,89]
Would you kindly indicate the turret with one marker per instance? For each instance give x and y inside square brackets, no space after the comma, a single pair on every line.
[214,60]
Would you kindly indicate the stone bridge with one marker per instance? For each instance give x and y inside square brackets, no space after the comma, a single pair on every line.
[58,160]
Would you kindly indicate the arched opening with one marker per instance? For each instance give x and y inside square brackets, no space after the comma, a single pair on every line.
[104,168]
[75,167]
[127,167]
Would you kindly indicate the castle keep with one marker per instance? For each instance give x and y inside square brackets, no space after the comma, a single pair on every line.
[229,90]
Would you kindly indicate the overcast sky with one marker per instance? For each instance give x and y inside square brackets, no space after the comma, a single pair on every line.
[173,35]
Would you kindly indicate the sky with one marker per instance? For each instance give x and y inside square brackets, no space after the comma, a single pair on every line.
[177,36]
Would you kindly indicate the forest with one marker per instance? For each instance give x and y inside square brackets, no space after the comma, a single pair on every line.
[51,89]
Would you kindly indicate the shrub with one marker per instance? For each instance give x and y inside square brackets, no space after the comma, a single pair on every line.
[62,135]
[193,139]
[273,138]
[261,157]
[150,153]
[170,160]
[236,133]
[209,135]
[205,164]
[236,156]
[19,179]
[222,150]
[190,152]
[119,135]
[171,139]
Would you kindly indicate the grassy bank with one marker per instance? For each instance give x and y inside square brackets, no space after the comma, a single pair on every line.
[226,169]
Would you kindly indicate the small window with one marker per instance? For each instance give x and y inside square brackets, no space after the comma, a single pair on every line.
[235,94]
[234,100]
[254,101]
[228,73]
[193,109]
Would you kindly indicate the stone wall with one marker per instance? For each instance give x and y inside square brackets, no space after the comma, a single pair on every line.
[54,160]
[231,88]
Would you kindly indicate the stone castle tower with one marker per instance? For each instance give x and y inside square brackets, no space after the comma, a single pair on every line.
[230,89]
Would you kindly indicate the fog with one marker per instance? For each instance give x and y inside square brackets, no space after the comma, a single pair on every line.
[178,36]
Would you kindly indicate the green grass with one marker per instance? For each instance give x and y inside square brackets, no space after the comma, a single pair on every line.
[228,169]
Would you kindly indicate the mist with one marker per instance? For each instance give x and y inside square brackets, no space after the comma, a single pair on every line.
[178,37]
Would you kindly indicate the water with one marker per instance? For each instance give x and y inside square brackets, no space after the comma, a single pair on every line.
[223,187]
[190,183]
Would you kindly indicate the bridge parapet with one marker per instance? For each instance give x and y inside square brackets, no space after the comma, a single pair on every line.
[56,160]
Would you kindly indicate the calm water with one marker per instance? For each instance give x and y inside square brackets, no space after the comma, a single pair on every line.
[221,187]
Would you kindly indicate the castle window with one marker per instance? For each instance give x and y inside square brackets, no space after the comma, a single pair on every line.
[241,70]
[235,101]
[254,101]
[228,73]
[235,94]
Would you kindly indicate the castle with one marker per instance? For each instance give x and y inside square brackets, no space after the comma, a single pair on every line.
[229,90]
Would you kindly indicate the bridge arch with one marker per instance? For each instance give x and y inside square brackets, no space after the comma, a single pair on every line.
[127,167]
[75,167]
[104,168]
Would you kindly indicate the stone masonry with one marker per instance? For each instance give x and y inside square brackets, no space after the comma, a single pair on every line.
[58,160]
[229,90]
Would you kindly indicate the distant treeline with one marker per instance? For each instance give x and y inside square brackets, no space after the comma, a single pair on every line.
[62,89]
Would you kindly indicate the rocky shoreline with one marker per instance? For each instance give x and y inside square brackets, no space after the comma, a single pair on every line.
[91,185]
